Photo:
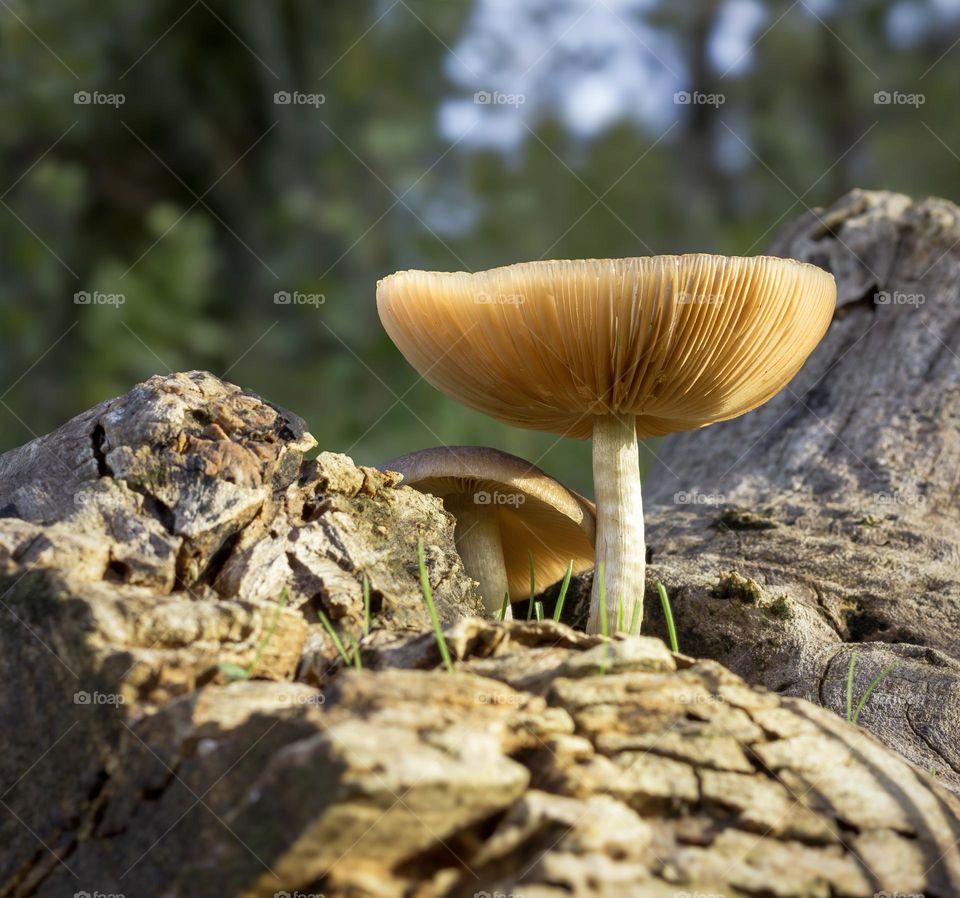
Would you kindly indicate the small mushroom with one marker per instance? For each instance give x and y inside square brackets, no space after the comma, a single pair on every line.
[507,510]
[612,349]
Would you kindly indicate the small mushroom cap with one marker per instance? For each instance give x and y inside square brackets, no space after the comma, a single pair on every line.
[537,513]
[678,341]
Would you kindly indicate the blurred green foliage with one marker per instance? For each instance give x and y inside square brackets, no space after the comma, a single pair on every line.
[200,197]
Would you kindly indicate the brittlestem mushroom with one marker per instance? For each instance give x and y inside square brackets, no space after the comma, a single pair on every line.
[507,511]
[615,350]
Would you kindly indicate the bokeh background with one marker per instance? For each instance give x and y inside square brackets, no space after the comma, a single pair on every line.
[184,163]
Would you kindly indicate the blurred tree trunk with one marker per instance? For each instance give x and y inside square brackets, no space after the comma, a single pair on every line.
[842,117]
[707,182]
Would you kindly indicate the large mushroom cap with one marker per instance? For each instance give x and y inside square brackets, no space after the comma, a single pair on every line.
[678,341]
[536,513]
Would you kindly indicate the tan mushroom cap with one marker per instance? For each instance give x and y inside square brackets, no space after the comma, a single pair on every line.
[536,513]
[678,341]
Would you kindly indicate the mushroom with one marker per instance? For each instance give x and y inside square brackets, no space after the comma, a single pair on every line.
[507,511]
[616,350]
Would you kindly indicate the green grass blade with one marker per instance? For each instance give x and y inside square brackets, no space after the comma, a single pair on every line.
[563,592]
[850,670]
[366,606]
[233,671]
[635,618]
[333,635]
[355,654]
[431,608]
[668,614]
[538,610]
[620,614]
[271,628]
[533,587]
[869,691]
[502,615]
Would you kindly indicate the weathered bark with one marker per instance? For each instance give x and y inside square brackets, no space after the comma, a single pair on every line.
[825,522]
[524,772]
[148,543]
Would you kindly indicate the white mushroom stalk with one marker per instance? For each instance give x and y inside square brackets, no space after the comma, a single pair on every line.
[480,546]
[620,540]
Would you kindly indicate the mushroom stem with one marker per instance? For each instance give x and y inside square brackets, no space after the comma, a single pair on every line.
[620,544]
[477,536]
